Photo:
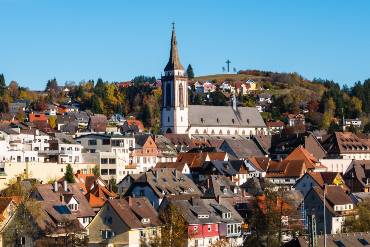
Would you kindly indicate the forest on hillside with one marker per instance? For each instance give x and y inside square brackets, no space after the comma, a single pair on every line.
[326,101]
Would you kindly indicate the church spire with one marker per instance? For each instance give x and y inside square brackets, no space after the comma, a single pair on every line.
[174,61]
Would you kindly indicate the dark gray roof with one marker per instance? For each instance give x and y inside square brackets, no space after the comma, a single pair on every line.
[225,116]
[241,148]
[355,239]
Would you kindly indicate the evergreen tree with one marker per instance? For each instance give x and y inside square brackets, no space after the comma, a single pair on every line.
[190,72]
[2,85]
[68,175]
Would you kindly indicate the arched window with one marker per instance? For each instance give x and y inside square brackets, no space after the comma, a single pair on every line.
[220,132]
[236,132]
[243,132]
[168,118]
[213,132]
[204,131]
[181,95]
[168,94]
[196,131]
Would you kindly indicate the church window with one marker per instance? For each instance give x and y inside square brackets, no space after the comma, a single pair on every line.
[168,94]
[181,118]
[243,132]
[236,132]
[196,131]
[204,131]
[168,118]
[228,132]
[181,95]
[220,132]
[213,132]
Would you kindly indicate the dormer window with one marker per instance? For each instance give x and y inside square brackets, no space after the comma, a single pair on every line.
[226,215]
[232,120]
[145,220]
[202,120]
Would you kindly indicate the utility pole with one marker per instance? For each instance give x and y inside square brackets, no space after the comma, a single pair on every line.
[324,215]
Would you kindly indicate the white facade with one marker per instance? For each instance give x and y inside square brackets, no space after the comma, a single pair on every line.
[336,165]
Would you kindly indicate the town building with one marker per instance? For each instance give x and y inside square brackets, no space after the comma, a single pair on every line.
[177,116]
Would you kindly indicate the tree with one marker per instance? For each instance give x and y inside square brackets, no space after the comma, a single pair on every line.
[13,90]
[360,223]
[97,105]
[174,231]
[218,98]
[96,170]
[366,129]
[190,72]
[326,120]
[2,85]
[69,175]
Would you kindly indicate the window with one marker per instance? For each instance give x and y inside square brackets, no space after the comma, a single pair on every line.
[168,95]
[104,161]
[181,95]
[22,240]
[92,142]
[112,161]
[107,234]
[142,234]
[209,228]
[108,220]
[112,171]
[106,141]
[104,171]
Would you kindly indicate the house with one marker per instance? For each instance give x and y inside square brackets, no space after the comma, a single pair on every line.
[33,117]
[235,170]
[199,88]
[296,120]
[354,239]
[8,207]
[166,150]
[116,119]
[51,110]
[16,107]
[180,166]
[320,179]
[124,222]
[209,221]
[61,200]
[158,183]
[241,148]
[357,176]
[257,166]
[217,186]
[264,98]
[125,183]
[226,86]
[352,122]
[98,123]
[275,127]
[346,145]
[94,188]
[338,206]
[286,172]
[62,211]
[208,87]
[134,123]
[145,152]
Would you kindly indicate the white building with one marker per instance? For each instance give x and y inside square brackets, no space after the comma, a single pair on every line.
[179,117]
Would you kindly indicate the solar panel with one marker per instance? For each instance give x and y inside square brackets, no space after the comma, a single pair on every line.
[339,243]
[363,241]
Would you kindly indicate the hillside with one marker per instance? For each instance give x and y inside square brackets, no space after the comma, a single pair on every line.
[276,83]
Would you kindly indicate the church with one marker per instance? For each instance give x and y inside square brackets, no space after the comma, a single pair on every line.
[178,117]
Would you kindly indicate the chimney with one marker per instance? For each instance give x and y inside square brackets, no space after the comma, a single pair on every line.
[55,186]
[65,185]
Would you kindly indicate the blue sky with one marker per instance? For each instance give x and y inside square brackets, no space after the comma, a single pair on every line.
[116,40]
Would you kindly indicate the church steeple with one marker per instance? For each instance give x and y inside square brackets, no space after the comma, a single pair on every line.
[174,61]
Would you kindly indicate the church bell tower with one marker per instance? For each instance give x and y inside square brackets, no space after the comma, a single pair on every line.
[174,114]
